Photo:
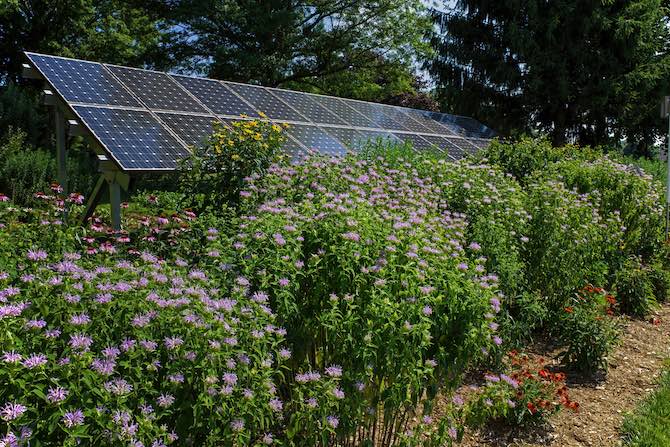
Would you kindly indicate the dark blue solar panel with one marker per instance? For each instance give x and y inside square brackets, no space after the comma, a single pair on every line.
[481,143]
[377,114]
[83,82]
[134,138]
[158,91]
[378,136]
[309,106]
[434,126]
[315,139]
[346,114]
[415,140]
[437,142]
[265,102]
[351,138]
[192,129]
[216,96]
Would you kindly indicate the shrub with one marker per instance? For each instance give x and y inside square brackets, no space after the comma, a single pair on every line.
[215,173]
[660,281]
[527,395]
[588,329]
[634,288]
[23,169]
[610,186]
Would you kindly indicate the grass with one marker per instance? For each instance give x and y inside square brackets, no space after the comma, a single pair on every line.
[649,424]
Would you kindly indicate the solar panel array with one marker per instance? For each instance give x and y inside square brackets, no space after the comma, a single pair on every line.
[148,120]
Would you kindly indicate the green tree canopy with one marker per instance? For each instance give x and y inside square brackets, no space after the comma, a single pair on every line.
[592,71]
[277,42]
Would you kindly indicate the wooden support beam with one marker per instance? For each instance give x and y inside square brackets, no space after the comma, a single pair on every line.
[61,155]
[115,204]
[94,198]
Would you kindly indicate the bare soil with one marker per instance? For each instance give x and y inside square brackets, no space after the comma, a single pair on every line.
[604,400]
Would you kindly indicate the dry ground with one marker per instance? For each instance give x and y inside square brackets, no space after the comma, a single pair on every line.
[634,368]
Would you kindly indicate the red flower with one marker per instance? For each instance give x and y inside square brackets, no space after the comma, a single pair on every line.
[569,309]
[532,408]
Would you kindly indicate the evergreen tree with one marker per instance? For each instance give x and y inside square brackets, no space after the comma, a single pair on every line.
[591,71]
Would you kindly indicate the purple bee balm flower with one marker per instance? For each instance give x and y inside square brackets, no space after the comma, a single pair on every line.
[453,434]
[80,319]
[35,324]
[351,236]
[11,357]
[173,342]
[237,425]
[497,340]
[334,371]
[230,378]
[474,246]
[12,411]
[80,342]
[267,439]
[462,266]
[276,405]
[165,400]
[104,366]
[338,393]
[118,387]
[56,394]
[333,421]
[283,282]
[312,403]
[285,353]
[495,304]
[427,311]
[36,255]
[73,418]
[513,383]
[34,361]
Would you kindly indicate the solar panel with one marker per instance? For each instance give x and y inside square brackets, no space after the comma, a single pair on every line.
[157,91]
[266,102]
[434,126]
[375,112]
[349,137]
[415,140]
[314,138]
[438,142]
[134,138]
[378,136]
[345,113]
[308,106]
[216,96]
[83,82]
[399,115]
[192,129]
[146,120]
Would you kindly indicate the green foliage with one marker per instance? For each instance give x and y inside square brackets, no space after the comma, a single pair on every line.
[20,109]
[23,169]
[588,329]
[527,396]
[588,70]
[647,426]
[278,41]
[634,288]
[659,277]
[215,173]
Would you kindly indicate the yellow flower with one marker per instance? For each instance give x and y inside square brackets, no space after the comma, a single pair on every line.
[262,115]
[235,157]
[244,115]
[257,136]
[285,125]
[276,128]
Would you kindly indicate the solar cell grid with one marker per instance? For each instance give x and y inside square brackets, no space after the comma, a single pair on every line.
[372,136]
[375,112]
[349,137]
[405,119]
[437,142]
[266,102]
[158,91]
[308,105]
[415,140]
[456,147]
[133,137]
[339,108]
[316,139]
[192,129]
[83,82]
[216,96]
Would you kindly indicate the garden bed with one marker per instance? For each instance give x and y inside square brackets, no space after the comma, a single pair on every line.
[603,400]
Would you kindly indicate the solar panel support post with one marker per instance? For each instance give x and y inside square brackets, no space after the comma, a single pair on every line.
[94,198]
[115,204]
[61,142]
